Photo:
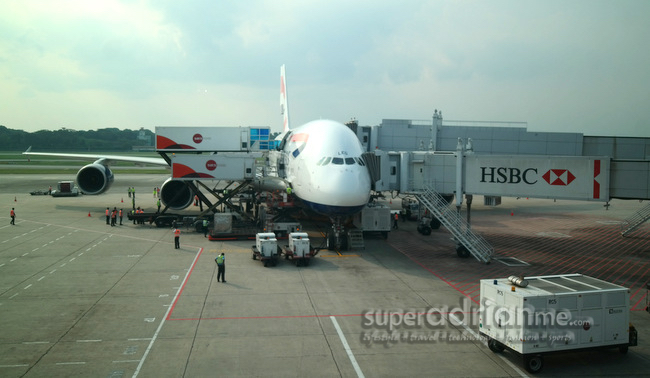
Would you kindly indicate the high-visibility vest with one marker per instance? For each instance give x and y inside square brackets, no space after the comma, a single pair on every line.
[396,216]
[13,214]
[220,259]
[120,212]
[177,232]
[107,212]
[205,223]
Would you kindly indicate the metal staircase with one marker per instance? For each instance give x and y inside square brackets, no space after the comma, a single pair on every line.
[473,243]
[636,220]
[356,239]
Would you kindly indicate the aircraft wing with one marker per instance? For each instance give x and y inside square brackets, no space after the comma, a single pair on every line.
[105,159]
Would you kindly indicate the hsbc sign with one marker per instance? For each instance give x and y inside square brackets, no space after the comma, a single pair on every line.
[510,175]
[562,177]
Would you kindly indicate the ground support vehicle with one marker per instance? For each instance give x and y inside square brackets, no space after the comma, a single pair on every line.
[65,189]
[299,249]
[374,218]
[541,315]
[266,248]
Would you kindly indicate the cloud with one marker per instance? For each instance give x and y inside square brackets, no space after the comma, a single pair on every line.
[578,65]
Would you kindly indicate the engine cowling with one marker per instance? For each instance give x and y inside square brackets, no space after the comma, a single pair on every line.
[94,178]
[175,194]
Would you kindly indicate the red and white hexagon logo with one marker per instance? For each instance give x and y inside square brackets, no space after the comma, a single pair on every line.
[197,138]
[561,177]
[211,165]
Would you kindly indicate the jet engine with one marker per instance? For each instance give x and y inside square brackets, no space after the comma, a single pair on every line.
[175,194]
[94,178]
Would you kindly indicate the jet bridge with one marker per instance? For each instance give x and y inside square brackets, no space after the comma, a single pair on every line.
[425,174]
[585,178]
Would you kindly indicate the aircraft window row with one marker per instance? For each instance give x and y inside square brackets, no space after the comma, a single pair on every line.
[341,161]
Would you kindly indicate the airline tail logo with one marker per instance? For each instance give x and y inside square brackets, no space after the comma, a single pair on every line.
[284,105]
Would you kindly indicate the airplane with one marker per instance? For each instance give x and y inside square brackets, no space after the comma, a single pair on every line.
[321,161]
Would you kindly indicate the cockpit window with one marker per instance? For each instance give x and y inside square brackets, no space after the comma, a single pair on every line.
[341,161]
[324,161]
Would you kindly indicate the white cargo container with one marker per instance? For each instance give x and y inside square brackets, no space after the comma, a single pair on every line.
[215,138]
[265,248]
[547,314]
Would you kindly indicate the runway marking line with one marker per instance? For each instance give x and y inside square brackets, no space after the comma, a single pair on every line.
[169,311]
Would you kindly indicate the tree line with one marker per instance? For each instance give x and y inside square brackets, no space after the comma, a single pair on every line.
[108,139]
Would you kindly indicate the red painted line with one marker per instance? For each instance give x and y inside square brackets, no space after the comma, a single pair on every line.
[439,277]
[187,278]
[616,271]
[639,301]
[640,277]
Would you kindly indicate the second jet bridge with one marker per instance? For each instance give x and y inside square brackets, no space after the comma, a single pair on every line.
[585,178]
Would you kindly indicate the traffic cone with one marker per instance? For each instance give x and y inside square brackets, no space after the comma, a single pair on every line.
[89,213]
[512,213]
[122,199]
[15,200]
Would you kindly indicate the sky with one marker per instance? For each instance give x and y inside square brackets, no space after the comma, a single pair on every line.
[560,66]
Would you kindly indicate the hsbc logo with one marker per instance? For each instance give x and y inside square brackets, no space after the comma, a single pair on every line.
[211,165]
[506,175]
[197,138]
[509,175]
[562,177]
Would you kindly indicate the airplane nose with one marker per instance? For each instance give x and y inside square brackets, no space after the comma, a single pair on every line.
[348,188]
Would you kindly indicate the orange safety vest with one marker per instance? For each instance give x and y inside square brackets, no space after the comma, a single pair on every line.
[177,232]
[106,212]
[396,216]
[120,212]
[13,214]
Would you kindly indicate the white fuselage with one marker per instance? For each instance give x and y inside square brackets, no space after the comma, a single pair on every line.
[325,168]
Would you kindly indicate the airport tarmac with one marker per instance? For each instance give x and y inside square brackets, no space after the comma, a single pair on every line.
[81,298]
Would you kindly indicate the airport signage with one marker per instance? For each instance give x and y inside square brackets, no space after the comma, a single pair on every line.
[558,177]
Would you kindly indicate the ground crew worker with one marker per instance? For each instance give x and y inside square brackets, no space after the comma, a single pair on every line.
[205,228]
[221,264]
[108,215]
[121,215]
[129,191]
[396,218]
[12,213]
[154,192]
[158,203]
[49,191]
[177,237]
[133,215]
[196,200]
[113,217]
